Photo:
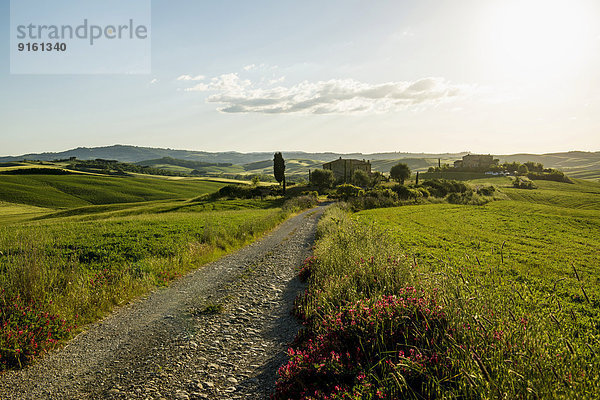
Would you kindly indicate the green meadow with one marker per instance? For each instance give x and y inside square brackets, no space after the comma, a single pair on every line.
[76,190]
[534,234]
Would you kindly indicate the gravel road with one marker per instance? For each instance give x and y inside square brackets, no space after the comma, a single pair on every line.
[166,346]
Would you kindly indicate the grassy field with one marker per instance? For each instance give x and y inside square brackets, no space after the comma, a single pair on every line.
[455,301]
[79,190]
[538,238]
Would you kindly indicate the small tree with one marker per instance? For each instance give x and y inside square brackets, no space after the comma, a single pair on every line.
[346,191]
[279,169]
[255,180]
[360,178]
[322,178]
[400,172]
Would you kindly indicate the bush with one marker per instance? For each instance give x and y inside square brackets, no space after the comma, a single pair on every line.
[300,203]
[443,187]
[307,266]
[322,178]
[375,198]
[361,178]
[486,190]
[523,183]
[239,192]
[550,175]
[424,192]
[410,193]
[346,191]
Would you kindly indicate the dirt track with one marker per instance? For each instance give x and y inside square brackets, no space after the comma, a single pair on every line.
[167,346]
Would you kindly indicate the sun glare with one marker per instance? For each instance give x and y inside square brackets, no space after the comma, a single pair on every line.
[538,39]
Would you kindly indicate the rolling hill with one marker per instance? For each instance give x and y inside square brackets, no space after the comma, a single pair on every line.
[135,154]
[579,164]
[58,191]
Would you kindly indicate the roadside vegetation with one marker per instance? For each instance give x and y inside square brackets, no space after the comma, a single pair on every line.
[442,300]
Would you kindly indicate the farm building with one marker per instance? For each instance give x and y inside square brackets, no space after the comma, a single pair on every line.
[476,161]
[343,168]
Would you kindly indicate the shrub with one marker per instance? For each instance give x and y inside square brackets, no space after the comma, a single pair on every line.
[239,192]
[523,183]
[410,193]
[300,203]
[375,198]
[550,175]
[442,187]
[322,178]
[424,192]
[346,191]
[361,178]
[522,170]
[486,190]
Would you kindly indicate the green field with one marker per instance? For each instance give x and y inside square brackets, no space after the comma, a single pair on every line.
[80,190]
[536,235]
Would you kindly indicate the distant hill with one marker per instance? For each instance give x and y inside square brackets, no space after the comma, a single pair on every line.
[134,154]
[575,163]
[578,164]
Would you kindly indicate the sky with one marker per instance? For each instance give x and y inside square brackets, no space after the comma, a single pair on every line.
[485,76]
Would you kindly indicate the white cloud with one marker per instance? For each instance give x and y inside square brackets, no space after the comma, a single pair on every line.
[335,96]
[249,67]
[191,78]
[227,83]
[276,80]
[153,81]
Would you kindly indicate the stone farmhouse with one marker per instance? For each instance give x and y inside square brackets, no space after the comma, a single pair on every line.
[343,168]
[476,161]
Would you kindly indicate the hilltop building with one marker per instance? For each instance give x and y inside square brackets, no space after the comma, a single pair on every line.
[476,161]
[343,168]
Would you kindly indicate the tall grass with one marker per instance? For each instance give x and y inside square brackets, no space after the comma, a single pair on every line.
[492,336]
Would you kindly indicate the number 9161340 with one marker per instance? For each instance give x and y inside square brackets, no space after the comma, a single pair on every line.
[42,47]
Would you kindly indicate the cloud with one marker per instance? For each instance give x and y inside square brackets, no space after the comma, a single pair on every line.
[276,80]
[335,96]
[153,81]
[226,83]
[191,78]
